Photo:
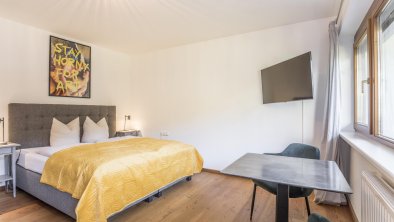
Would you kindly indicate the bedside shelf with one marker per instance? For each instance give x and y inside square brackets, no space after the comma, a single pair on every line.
[4,178]
[9,151]
[130,132]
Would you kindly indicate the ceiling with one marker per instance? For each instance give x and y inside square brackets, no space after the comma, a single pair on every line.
[134,26]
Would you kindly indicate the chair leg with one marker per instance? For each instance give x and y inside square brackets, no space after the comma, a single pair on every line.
[307,206]
[254,196]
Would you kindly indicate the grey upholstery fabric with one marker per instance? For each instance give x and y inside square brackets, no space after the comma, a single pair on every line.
[30,182]
[317,218]
[30,124]
[293,150]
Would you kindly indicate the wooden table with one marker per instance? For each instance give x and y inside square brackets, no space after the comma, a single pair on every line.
[289,171]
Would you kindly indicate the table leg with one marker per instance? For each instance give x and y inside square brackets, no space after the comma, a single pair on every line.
[282,203]
[7,170]
[13,157]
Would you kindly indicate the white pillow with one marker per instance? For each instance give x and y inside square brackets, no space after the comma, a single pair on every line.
[62,134]
[92,132]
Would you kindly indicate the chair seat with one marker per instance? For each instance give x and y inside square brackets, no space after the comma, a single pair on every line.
[317,218]
[294,192]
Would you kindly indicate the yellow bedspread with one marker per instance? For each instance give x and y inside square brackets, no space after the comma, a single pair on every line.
[108,176]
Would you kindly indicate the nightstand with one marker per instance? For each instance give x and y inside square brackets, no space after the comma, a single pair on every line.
[9,152]
[130,132]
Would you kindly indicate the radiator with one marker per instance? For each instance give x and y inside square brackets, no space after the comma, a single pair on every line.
[377,199]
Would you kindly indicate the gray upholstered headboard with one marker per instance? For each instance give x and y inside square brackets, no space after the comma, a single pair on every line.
[30,124]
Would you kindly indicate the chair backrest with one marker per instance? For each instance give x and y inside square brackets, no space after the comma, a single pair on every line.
[302,151]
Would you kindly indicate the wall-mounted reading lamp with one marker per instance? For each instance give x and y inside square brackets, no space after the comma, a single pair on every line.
[126,117]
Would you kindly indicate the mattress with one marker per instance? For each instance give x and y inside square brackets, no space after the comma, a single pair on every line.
[30,159]
[34,158]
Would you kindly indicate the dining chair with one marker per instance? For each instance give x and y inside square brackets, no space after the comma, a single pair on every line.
[293,150]
[317,218]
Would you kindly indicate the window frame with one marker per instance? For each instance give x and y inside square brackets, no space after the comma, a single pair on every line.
[360,127]
[369,27]
[375,61]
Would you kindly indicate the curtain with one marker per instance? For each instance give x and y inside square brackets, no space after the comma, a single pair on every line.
[329,146]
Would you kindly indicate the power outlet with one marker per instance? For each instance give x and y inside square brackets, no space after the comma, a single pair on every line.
[162,134]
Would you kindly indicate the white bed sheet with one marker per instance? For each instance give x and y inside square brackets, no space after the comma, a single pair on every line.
[34,158]
[117,138]
[31,160]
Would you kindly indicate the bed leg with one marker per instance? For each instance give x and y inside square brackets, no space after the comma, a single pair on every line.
[189,178]
[149,199]
[159,194]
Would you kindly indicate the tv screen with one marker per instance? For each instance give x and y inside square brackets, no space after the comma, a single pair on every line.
[287,81]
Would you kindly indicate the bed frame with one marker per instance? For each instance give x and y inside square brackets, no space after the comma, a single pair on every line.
[30,125]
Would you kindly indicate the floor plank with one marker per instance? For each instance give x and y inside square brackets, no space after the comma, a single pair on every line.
[8,203]
[208,197]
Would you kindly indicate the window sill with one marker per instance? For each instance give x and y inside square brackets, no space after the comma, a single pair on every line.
[380,155]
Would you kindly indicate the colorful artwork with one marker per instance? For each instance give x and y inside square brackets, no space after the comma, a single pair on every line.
[69,68]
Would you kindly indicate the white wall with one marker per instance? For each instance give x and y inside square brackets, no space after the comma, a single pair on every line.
[209,94]
[24,72]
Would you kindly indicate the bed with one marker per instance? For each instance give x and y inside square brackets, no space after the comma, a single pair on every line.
[30,124]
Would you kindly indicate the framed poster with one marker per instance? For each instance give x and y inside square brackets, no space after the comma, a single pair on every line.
[69,68]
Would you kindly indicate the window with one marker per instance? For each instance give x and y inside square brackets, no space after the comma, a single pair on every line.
[385,73]
[374,73]
[362,82]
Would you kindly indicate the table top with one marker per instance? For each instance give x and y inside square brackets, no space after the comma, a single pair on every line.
[299,172]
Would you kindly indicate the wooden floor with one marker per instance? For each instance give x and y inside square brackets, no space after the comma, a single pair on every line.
[208,197]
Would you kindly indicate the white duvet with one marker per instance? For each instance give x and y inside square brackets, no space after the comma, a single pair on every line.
[34,158]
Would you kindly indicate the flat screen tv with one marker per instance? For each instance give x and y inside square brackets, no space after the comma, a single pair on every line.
[289,80]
